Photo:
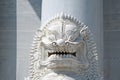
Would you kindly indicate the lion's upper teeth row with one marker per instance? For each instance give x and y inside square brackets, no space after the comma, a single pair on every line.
[62,53]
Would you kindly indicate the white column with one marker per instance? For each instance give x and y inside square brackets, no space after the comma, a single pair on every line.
[87,11]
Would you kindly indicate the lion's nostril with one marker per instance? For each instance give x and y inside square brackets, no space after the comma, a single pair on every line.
[54,43]
[67,43]
[60,42]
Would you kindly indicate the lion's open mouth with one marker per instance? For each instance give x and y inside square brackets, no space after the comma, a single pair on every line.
[62,53]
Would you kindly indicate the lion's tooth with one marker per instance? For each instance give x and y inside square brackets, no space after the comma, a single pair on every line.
[57,56]
[67,52]
[57,52]
[67,55]
[54,55]
[60,55]
[70,55]
[63,52]
[64,55]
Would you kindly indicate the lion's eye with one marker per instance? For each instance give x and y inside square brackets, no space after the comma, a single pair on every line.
[51,37]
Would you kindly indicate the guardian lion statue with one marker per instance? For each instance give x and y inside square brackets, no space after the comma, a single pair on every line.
[64,49]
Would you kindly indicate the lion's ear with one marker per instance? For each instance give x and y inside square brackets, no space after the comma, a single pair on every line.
[84,28]
[84,32]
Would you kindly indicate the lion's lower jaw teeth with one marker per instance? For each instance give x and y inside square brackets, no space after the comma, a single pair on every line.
[54,56]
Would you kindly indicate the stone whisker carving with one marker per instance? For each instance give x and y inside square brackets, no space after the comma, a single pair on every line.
[63,49]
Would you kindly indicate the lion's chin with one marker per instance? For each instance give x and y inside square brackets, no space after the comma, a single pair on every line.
[55,76]
[63,64]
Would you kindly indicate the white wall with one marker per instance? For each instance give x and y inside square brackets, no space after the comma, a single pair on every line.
[28,21]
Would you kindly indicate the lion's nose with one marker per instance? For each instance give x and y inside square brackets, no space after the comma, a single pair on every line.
[60,42]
